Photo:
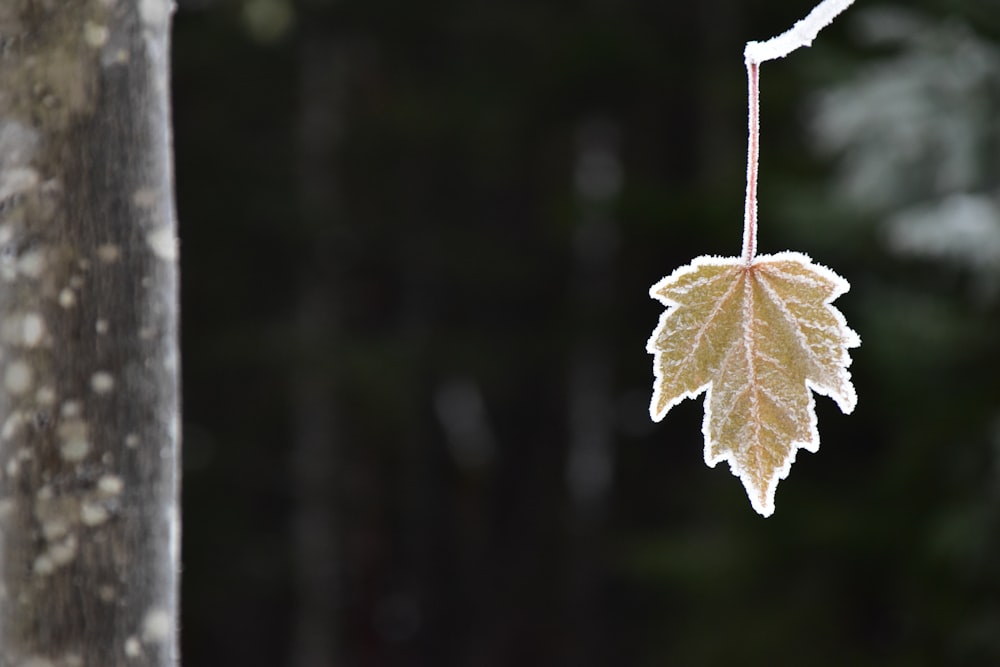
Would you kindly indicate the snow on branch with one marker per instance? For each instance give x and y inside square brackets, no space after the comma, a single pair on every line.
[801,34]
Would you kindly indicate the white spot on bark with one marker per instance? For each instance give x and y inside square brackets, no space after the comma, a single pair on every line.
[45,395]
[13,467]
[101,326]
[71,409]
[18,377]
[102,382]
[12,425]
[56,515]
[96,35]
[157,625]
[67,298]
[74,451]
[133,649]
[84,264]
[106,593]
[43,566]
[55,526]
[32,329]
[63,552]
[131,440]
[6,508]
[32,263]
[154,12]
[109,253]
[163,242]
[15,180]
[17,142]
[75,441]
[110,485]
[93,514]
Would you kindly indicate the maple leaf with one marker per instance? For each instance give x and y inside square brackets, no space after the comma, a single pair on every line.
[759,337]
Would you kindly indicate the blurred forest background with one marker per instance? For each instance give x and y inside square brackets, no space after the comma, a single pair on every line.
[417,239]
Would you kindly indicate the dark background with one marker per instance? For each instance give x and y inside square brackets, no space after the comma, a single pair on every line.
[417,239]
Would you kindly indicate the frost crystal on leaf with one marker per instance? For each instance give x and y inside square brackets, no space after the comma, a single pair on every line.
[758,338]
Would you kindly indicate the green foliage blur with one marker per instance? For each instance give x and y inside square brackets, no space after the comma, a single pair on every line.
[417,240]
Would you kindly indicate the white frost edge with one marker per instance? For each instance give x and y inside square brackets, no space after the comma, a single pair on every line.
[846,403]
[704,260]
[801,34]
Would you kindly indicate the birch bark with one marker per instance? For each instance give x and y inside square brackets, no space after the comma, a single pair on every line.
[89,519]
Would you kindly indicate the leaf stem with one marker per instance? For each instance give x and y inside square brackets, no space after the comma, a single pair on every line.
[753,150]
[801,34]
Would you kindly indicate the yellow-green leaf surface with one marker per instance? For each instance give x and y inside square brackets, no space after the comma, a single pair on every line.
[760,338]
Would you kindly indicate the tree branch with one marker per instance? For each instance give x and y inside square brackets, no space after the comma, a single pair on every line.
[801,34]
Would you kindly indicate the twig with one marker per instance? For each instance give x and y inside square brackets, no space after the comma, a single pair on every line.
[801,34]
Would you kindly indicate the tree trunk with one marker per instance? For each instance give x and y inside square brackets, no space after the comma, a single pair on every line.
[317,458]
[89,524]
[590,461]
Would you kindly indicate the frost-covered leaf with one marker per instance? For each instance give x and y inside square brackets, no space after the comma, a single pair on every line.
[759,337]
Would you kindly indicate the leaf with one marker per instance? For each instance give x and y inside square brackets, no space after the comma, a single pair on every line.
[760,338]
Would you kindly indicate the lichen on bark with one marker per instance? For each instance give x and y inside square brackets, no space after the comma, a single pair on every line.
[88,350]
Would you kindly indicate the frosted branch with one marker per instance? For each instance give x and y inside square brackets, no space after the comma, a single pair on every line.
[801,34]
